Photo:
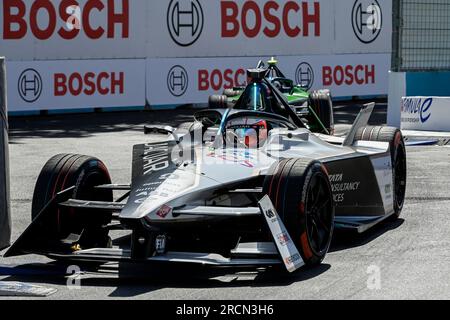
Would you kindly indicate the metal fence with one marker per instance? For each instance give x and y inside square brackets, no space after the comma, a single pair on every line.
[5,218]
[421,37]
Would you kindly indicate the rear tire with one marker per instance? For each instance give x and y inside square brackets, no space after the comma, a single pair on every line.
[320,101]
[231,92]
[301,192]
[218,102]
[398,158]
[84,173]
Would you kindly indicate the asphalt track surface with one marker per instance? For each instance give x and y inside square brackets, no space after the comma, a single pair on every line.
[411,256]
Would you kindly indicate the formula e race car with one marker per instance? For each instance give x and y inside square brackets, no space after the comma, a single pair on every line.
[315,108]
[247,186]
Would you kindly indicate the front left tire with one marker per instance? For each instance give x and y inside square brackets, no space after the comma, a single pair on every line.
[84,173]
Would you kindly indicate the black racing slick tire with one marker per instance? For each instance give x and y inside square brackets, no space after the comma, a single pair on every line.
[232,92]
[83,173]
[321,103]
[398,157]
[218,102]
[301,192]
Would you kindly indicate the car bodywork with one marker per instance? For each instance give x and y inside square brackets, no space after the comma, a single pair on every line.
[198,196]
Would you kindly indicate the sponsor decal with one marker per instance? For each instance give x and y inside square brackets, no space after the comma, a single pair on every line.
[177,81]
[221,79]
[416,110]
[155,157]
[293,19]
[283,238]
[75,84]
[348,75]
[66,21]
[340,187]
[304,75]
[160,244]
[292,259]
[89,83]
[288,251]
[243,158]
[355,189]
[164,211]
[185,21]
[270,214]
[30,85]
[367,20]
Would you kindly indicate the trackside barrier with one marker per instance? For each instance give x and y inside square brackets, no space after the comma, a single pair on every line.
[425,113]
[416,86]
[93,54]
[5,218]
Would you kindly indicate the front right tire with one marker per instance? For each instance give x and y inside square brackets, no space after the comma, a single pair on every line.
[301,192]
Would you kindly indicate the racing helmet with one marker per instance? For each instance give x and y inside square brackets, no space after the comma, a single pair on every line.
[251,132]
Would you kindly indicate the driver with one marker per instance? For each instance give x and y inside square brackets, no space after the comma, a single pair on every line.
[250,132]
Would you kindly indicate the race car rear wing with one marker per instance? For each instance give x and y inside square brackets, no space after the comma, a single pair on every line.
[361,121]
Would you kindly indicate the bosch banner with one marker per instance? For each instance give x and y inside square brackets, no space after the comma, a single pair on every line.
[47,85]
[345,42]
[175,81]
[87,29]
[197,28]
[72,29]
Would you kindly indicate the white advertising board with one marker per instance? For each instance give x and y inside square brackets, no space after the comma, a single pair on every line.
[425,113]
[105,29]
[73,84]
[193,80]
[69,29]
[363,26]
[199,28]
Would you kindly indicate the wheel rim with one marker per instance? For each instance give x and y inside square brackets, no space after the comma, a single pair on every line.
[400,177]
[319,214]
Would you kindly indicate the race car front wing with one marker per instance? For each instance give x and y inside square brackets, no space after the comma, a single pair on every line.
[281,251]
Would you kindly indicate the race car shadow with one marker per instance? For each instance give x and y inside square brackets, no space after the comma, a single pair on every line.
[133,279]
[180,277]
[130,280]
[343,239]
[88,124]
